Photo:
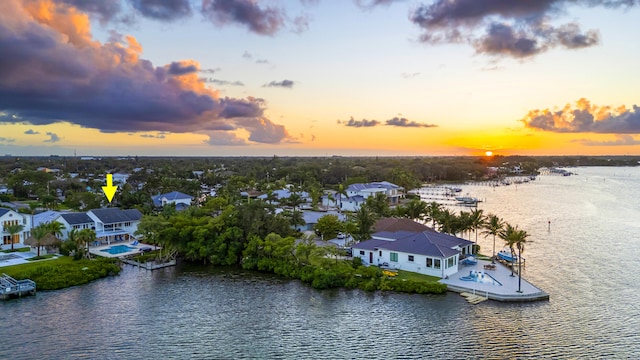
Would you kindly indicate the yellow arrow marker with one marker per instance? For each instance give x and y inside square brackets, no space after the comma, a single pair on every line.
[110,189]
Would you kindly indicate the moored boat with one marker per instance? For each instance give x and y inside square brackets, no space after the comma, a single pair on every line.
[507,256]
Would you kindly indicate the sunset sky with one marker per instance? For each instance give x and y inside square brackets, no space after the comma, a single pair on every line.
[319,77]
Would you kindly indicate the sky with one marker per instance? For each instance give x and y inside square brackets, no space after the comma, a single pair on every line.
[319,77]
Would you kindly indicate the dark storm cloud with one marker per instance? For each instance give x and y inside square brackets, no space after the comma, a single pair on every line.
[31,132]
[167,10]
[284,83]
[260,20]
[513,28]
[359,123]
[53,72]
[403,122]
[585,117]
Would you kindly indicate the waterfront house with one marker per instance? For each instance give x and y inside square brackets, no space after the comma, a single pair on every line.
[175,198]
[11,217]
[113,224]
[74,220]
[427,252]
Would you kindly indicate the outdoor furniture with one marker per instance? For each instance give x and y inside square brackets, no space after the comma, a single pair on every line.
[489,266]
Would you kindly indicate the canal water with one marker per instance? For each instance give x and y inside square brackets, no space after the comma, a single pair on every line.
[585,233]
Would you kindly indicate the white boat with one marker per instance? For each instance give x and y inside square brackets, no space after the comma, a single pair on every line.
[507,256]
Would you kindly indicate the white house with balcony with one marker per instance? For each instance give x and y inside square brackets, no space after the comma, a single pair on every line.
[357,194]
[10,217]
[76,220]
[113,224]
[428,252]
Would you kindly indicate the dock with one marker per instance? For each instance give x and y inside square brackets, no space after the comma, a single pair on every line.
[10,287]
[149,265]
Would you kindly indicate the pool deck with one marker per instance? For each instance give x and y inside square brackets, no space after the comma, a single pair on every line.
[97,250]
[508,292]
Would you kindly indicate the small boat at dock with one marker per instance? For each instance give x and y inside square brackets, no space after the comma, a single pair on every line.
[507,256]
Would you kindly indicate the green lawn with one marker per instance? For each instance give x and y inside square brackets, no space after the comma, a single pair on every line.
[408,275]
[63,272]
[23,249]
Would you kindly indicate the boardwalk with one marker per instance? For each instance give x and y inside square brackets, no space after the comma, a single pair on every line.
[10,287]
[507,291]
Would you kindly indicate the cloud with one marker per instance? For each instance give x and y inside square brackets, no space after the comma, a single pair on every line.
[262,61]
[31,132]
[182,67]
[284,83]
[585,117]
[208,71]
[223,82]
[168,10]
[6,140]
[104,10]
[516,29]
[221,138]
[370,4]
[403,122]
[151,136]
[260,20]
[409,75]
[247,55]
[53,138]
[301,23]
[51,71]
[359,123]
[621,140]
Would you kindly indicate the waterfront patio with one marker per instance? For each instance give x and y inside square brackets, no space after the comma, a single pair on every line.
[507,292]
[136,248]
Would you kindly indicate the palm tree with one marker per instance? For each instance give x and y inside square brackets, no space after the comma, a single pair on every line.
[341,191]
[55,228]
[509,235]
[365,220]
[86,237]
[477,221]
[447,221]
[39,235]
[13,229]
[520,239]
[415,209]
[464,223]
[432,212]
[493,226]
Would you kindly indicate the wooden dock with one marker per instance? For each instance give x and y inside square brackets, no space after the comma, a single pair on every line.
[10,287]
[150,265]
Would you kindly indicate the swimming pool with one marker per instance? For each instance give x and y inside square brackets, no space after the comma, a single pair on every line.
[118,249]
[481,278]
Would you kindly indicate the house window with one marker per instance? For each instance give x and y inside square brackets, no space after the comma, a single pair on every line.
[127,224]
[393,256]
[429,262]
[361,252]
[449,262]
[380,253]
[411,258]
[436,264]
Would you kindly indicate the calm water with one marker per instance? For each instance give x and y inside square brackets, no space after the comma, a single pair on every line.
[587,262]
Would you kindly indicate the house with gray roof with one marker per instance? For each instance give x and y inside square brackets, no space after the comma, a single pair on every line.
[428,252]
[74,220]
[176,198]
[113,224]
